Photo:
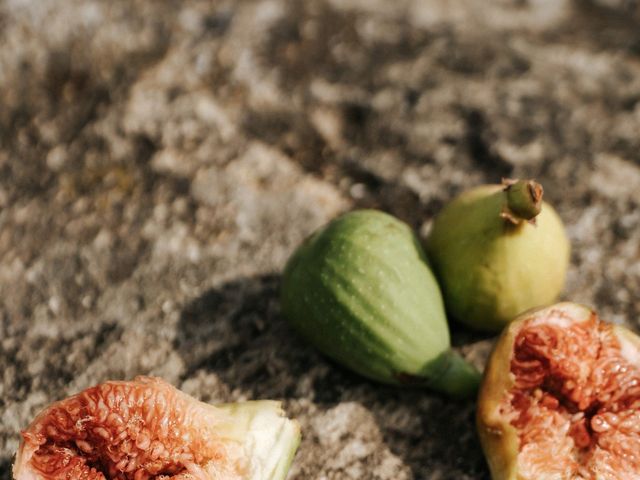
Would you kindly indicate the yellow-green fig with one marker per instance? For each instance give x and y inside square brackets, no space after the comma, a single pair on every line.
[497,251]
[560,398]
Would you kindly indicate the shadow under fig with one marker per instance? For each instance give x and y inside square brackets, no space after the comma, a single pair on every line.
[237,332]
[5,468]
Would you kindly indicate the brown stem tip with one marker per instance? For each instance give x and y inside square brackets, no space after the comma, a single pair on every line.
[523,200]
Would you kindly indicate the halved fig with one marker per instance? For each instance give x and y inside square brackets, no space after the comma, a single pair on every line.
[560,399]
[146,429]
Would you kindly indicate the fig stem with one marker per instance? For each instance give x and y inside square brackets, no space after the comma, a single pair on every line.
[523,200]
[459,380]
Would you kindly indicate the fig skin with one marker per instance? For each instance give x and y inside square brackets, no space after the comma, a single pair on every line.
[361,291]
[499,439]
[494,262]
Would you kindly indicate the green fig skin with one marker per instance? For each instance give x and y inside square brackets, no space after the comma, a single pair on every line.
[492,267]
[361,291]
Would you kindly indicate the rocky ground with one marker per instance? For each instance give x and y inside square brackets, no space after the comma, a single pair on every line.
[160,160]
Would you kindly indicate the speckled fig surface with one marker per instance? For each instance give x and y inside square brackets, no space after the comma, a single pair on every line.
[360,289]
[561,398]
[161,160]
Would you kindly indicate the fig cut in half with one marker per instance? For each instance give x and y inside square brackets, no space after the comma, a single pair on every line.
[146,429]
[560,399]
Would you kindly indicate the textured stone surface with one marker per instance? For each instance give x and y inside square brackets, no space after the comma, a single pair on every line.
[160,160]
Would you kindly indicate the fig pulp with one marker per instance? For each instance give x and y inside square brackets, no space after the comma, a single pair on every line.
[497,251]
[146,429]
[560,399]
[361,291]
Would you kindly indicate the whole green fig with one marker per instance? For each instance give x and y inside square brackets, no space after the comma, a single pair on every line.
[361,291]
[497,251]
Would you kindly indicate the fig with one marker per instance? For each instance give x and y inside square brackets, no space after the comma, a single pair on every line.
[361,291]
[560,399]
[497,251]
[147,429]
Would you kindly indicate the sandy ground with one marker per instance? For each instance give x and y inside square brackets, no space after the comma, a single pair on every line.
[160,160]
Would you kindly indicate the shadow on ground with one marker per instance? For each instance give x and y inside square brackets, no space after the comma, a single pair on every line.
[236,331]
[5,468]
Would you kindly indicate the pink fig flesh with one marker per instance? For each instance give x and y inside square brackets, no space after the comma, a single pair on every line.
[146,429]
[561,399]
